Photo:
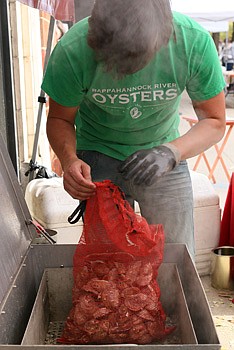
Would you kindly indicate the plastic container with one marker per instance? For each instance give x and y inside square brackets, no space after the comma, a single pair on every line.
[50,205]
[207,216]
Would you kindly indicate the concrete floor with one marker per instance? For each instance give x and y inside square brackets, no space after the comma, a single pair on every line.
[221,302]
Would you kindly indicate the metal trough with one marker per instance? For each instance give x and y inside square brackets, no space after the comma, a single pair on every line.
[54,301]
[29,273]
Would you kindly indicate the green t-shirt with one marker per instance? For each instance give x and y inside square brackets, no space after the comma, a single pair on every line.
[119,117]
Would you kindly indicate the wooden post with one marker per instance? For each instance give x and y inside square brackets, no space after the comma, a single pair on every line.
[215,37]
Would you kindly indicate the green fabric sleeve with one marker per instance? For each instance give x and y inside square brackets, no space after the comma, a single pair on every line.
[62,80]
[207,78]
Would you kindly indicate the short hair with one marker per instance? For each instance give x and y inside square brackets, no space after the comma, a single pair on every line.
[125,34]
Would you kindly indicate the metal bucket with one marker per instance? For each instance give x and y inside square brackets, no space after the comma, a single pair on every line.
[222,273]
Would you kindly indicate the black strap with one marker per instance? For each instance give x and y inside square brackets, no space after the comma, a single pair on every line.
[77,213]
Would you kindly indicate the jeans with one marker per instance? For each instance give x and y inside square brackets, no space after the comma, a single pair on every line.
[168,202]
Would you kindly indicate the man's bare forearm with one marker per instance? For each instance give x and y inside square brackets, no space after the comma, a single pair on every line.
[62,138]
[208,131]
[199,138]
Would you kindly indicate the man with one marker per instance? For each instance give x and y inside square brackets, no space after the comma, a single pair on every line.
[118,76]
[228,55]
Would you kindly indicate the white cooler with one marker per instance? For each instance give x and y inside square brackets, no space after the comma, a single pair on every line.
[207,218]
[50,205]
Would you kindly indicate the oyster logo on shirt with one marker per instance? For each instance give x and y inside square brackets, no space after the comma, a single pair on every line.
[135,112]
[147,94]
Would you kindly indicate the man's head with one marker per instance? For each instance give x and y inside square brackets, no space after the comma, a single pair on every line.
[125,34]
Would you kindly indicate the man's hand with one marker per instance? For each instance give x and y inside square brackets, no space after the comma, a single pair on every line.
[62,137]
[144,167]
[77,180]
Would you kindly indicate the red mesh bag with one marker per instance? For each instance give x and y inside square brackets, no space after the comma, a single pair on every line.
[115,292]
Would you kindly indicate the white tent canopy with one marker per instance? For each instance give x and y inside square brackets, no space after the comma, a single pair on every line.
[214,15]
[215,27]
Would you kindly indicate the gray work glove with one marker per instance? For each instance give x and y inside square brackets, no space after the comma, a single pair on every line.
[144,167]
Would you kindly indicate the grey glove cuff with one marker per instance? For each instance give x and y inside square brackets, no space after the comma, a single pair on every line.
[174,150]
